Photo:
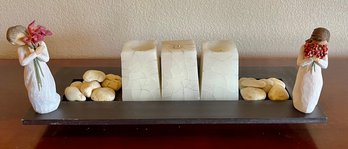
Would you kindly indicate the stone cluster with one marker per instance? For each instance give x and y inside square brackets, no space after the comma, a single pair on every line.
[253,89]
[96,85]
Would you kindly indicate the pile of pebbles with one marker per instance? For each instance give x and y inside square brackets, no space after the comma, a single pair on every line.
[96,85]
[260,89]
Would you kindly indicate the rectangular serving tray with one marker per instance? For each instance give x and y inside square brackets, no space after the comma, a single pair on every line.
[176,112]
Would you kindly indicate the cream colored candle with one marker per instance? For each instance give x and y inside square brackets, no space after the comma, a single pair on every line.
[179,70]
[219,71]
[140,72]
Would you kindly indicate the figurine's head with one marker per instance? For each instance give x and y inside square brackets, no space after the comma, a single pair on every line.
[320,34]
[15,35]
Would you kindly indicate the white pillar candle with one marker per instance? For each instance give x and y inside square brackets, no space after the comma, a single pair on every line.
[219,71]
[140,73]
[179,70]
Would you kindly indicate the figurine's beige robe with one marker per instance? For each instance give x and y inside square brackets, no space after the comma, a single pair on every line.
[309,83]
[46,99]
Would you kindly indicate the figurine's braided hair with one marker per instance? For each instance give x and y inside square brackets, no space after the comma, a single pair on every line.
[13,31]
[320,34]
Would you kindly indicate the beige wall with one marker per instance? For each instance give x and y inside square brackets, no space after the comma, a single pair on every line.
[99,28]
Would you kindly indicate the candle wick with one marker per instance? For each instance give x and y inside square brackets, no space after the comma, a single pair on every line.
[178,46]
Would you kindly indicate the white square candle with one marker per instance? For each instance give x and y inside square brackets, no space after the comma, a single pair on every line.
[179,70]
[140,71]
[219,71]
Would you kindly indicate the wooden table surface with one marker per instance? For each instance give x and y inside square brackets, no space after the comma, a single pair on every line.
[14,105]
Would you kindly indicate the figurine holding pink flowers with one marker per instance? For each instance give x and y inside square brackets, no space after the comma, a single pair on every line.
[33,56]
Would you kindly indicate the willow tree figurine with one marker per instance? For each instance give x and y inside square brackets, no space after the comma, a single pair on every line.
[312,58]
[33,56]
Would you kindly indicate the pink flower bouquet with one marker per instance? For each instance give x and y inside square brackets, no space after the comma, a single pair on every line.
[36,34]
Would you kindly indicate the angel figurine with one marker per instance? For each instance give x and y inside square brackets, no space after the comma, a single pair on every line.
[312,58]
[33,56]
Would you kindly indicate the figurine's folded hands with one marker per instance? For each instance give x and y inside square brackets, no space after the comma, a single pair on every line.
[42,53]
[323,63]
[23,59]
[31,50]
[38,50]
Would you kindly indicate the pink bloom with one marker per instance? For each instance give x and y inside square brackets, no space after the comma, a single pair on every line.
[36,34]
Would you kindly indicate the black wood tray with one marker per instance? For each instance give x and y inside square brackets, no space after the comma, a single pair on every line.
[177,112]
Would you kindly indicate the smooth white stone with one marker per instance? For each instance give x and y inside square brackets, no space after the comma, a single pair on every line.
[278,92]
[88,87]
[253,83]
[103,94]
[219,71]
[277,81]
[179,70]
[251,93]
[76,84]
[72,93]
[93,75]
[140,73]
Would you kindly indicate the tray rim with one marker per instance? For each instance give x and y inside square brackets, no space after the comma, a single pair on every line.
[304,119]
